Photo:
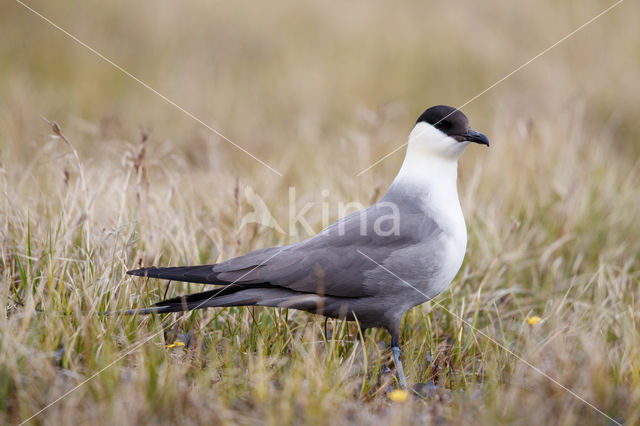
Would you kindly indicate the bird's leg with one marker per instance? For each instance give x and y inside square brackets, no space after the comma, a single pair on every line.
[395,349]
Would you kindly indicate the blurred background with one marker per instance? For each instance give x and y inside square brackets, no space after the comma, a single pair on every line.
[295,79]
[319,91]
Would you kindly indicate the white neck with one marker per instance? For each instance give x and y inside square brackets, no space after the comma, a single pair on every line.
[430,171]
[427,180]
[431,161]
[423,169]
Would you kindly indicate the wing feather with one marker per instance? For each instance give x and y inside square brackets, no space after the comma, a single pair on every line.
[330,263]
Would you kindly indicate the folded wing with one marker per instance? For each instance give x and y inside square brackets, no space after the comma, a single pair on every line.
[330,263]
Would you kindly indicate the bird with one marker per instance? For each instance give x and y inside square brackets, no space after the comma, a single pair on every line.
[371,266]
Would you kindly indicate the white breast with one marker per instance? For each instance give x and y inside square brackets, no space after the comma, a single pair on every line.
[433,178]
[447,213]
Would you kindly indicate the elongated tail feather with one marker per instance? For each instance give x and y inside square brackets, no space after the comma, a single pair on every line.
[254,295]
[202,274]
[230,294]
[207,299]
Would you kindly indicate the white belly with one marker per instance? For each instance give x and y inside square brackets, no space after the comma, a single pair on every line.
[434,180]
[453,242]
[450,263]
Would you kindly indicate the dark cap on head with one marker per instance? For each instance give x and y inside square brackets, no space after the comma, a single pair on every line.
[453,123]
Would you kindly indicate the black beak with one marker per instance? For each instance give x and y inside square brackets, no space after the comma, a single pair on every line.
[477,137]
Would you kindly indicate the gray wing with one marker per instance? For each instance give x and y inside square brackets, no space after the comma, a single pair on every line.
[331,263]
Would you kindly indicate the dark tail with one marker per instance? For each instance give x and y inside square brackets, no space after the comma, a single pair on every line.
[233,295]
[202,274]
[229,295]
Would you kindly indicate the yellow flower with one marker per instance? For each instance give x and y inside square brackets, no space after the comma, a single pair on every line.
[398,395]
[534,320]
[175,344]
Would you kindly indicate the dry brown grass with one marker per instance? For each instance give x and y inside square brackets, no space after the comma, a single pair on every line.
[319,92]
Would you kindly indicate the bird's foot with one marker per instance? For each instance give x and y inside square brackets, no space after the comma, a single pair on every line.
[396,357]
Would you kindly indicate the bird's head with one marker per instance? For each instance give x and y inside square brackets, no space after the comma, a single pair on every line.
[444,131]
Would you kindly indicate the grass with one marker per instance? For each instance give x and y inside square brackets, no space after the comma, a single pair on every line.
[319,93]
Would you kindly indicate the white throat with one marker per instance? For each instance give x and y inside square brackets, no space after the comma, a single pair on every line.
[431,161]
[423,169]
[430,172]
